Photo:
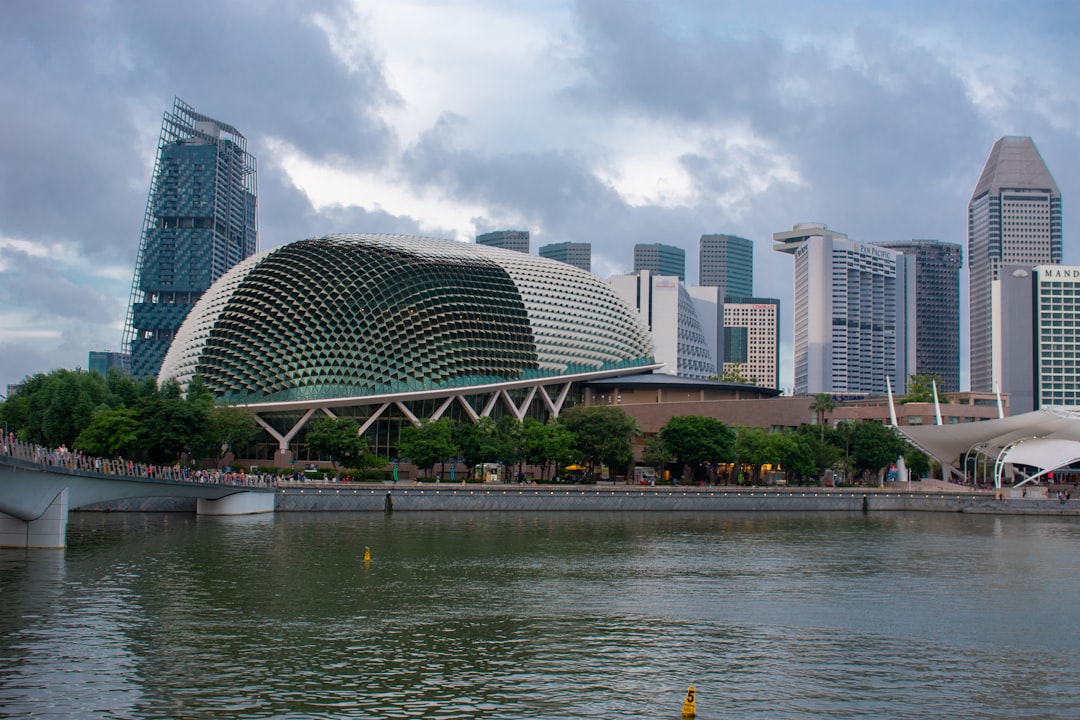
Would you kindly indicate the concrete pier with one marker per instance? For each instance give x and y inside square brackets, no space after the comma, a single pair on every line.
[49,530]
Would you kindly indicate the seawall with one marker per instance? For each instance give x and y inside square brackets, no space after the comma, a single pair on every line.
[340,497]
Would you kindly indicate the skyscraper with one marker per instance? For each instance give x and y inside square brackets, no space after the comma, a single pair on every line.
[667,309]
[854,312]
[937,308]
[660,259]
[727,261]
[201,219]
[1014,218]
[576,254]
[517,240]
[752,340]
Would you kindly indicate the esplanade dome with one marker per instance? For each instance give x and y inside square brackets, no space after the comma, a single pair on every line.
[363,314]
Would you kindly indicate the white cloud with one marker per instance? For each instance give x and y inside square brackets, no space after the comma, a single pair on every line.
[326,185]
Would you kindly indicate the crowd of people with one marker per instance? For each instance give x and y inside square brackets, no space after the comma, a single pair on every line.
[76,460]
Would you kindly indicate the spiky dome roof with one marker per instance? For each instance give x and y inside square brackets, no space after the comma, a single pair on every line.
[364,314]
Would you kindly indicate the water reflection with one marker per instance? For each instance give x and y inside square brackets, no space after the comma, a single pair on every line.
[547,615]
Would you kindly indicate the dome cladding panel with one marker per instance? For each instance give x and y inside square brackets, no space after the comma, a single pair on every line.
[363,314]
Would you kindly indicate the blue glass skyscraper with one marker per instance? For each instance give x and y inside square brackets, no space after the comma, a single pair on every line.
[201,219]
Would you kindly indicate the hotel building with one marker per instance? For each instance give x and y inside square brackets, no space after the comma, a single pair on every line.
[854,312]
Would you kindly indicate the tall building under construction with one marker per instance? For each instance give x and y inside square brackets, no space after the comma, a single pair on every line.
[201,219]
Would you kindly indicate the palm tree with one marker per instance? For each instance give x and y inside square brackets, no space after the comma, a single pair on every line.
[823,404]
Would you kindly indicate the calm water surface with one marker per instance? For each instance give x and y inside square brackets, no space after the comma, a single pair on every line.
[544,615]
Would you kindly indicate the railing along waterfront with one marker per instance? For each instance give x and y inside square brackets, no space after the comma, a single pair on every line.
[75,461]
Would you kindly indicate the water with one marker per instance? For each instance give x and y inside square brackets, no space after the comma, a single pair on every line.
[544,615]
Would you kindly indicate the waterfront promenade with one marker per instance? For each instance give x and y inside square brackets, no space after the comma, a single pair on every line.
[291,495]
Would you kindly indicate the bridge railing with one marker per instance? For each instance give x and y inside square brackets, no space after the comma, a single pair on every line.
[78,462]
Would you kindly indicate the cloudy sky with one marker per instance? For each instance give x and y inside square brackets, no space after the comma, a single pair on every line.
[605,121]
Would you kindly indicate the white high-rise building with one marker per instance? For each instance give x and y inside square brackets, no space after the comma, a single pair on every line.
[1057,322]
[854,312]
[668,311]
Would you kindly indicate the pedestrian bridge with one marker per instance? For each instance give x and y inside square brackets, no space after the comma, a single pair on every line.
[35,498]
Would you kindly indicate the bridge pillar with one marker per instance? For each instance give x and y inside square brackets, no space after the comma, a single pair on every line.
[242,503]
[47,531]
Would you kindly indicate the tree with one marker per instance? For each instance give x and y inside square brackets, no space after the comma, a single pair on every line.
[475,441]
[58,406]
[112,432]
[695,440]
[168,427]
[920,388]
[823,404]
[752,448]
[602,434]
[656,454]
[338,439]
[232,429]
[794,452]
[875,447]
[510,441]
[733,373]
[547,443]
[428,444]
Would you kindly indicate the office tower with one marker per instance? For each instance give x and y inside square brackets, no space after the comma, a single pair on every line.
[937,308]
[1014,218]
[103,361]
[576,254]
[727,261]
[667,310]
[854,312]
[660,259]
[201,219]
[517,240]
[752,340]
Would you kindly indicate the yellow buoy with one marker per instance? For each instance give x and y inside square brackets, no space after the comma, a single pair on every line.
[689,705]
[367,554]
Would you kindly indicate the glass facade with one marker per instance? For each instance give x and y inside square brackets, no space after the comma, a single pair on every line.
[357,315]
[937,308]
[660,259]
[727,261]
[577,254]
[201,220]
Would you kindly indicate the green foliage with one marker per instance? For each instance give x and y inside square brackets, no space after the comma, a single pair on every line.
[694,440]
[917,462]
[602,434]
[920,388]
[338,439]
[752,448]
[794,452]
[823,404]
[656,454]
[510,441]
[53,409]
[429,444]
[228,428]
[168,427]
[547,444]
[734,374]
[475,441]
[112,432]
[875,447]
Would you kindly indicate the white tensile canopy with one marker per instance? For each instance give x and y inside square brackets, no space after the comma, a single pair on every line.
[1046,439]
